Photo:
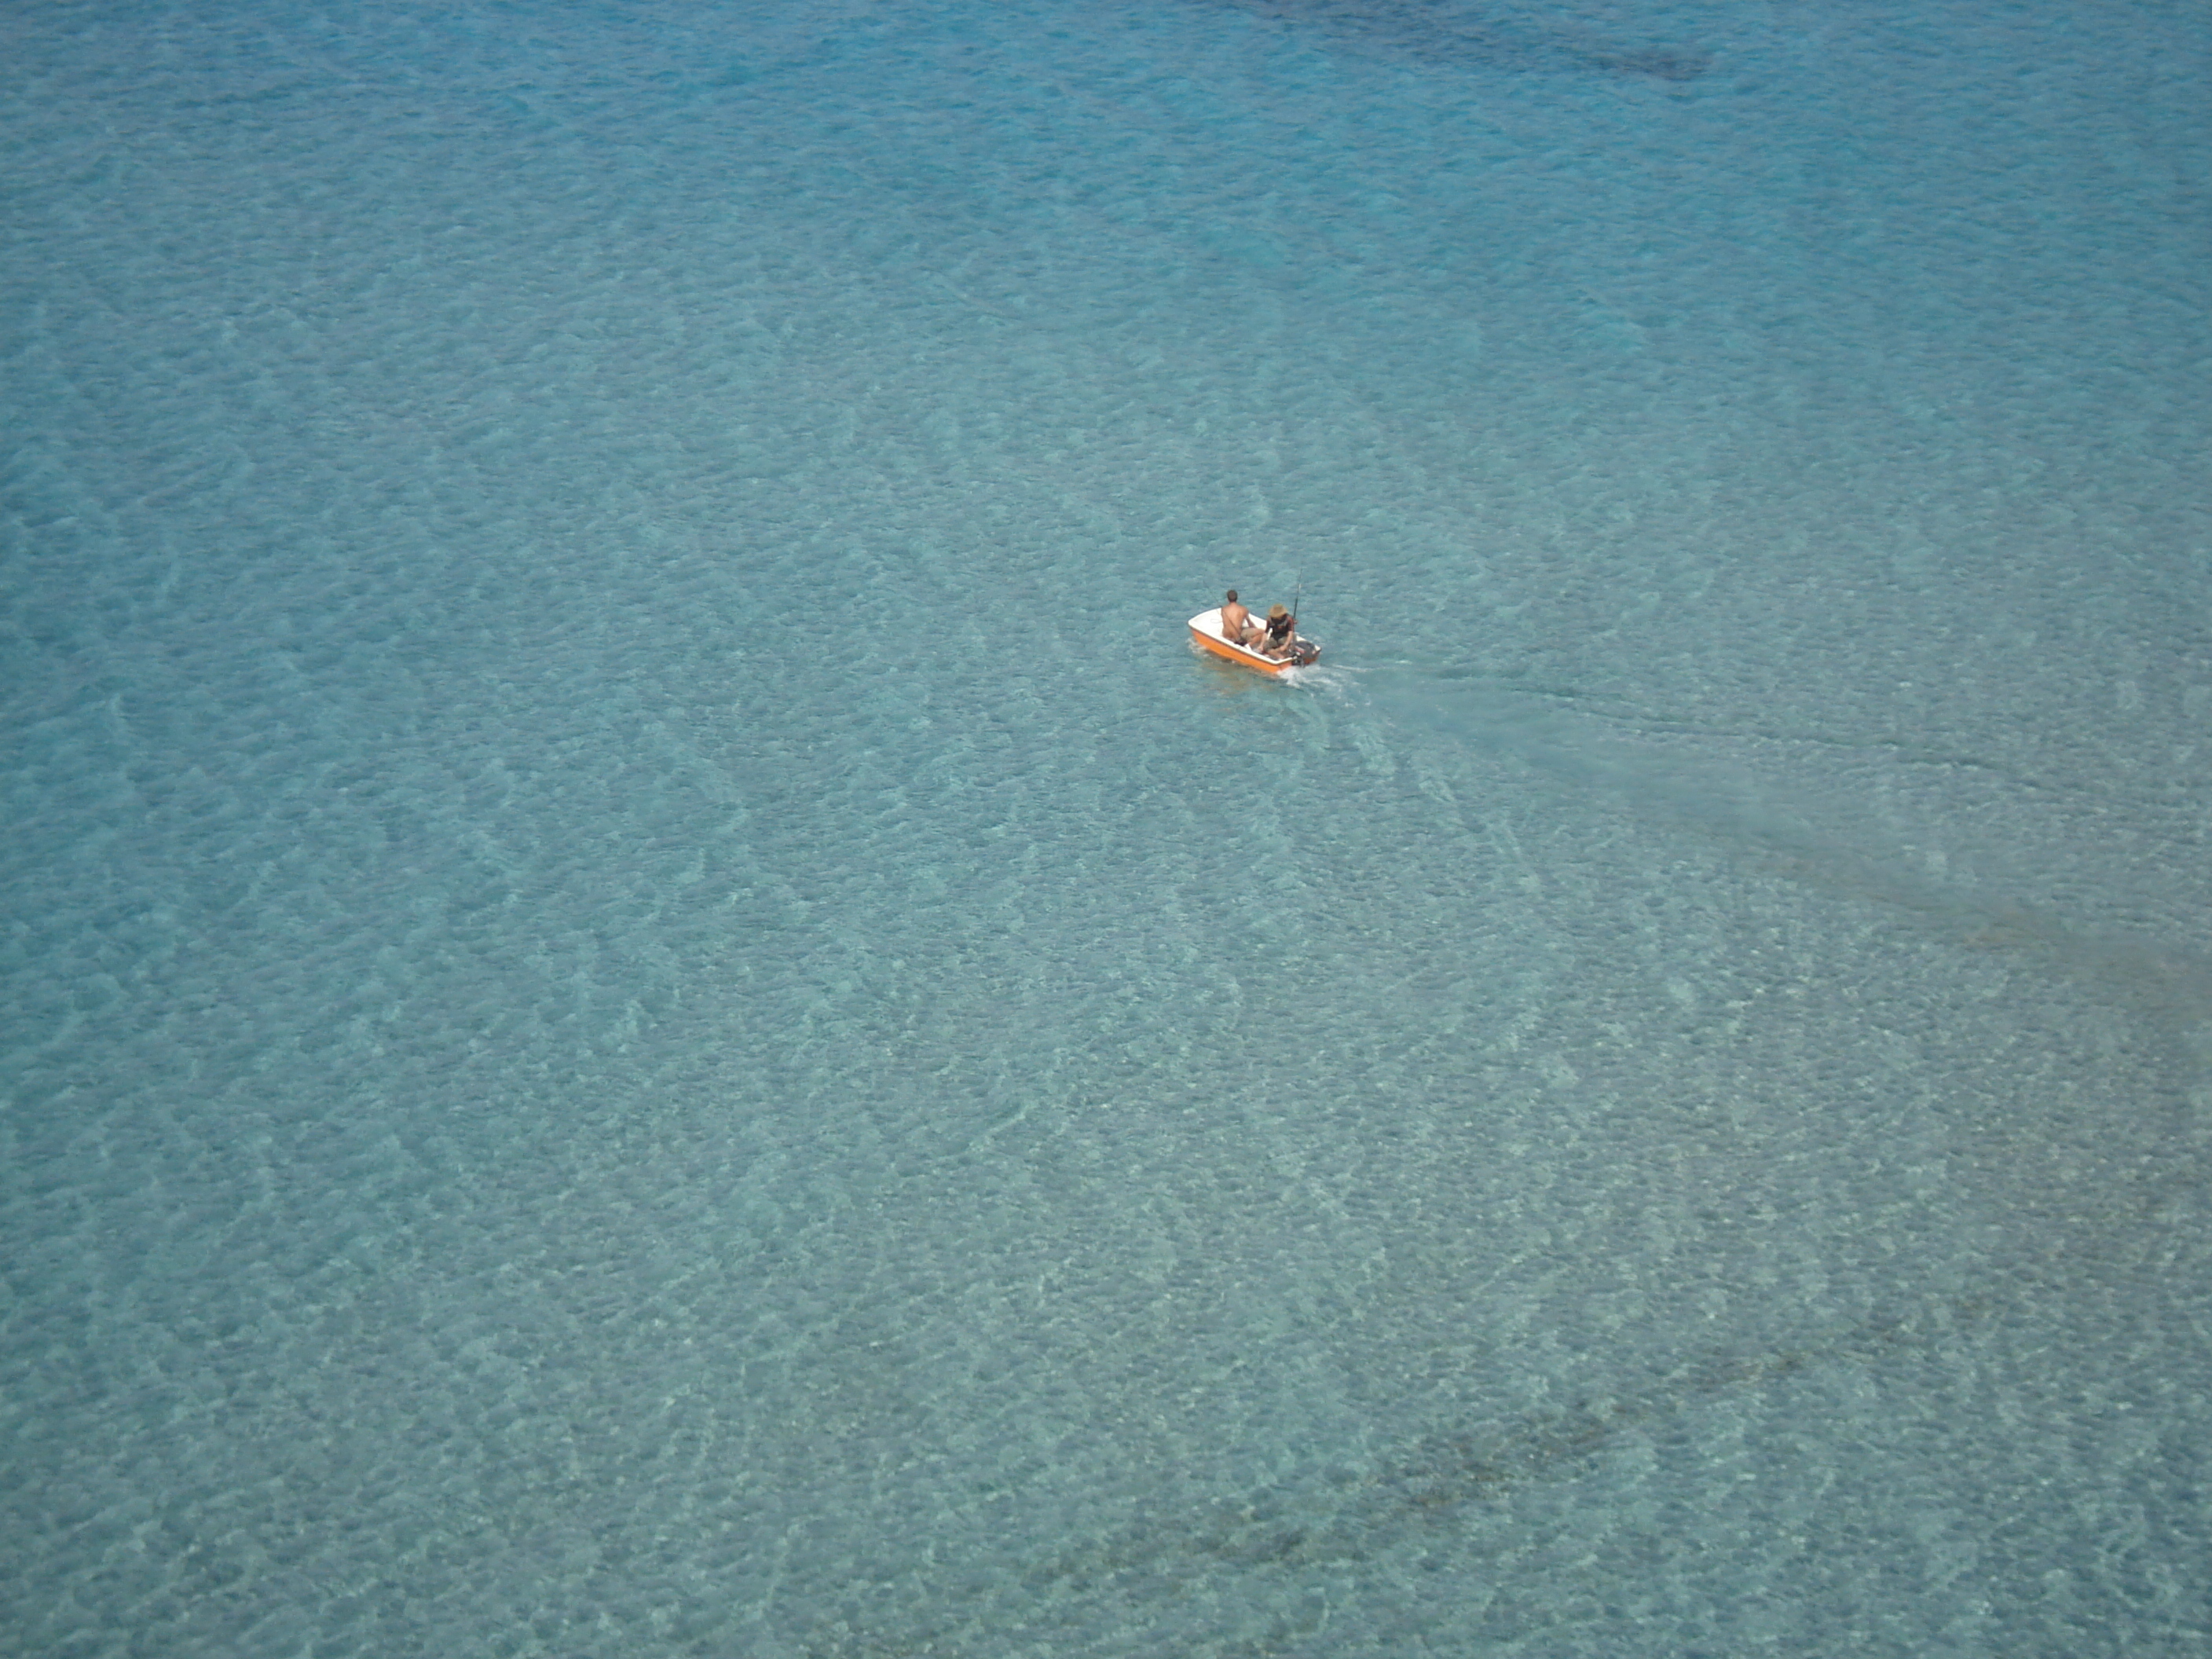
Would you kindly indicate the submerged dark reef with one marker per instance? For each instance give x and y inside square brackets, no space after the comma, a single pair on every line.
[1400,1502]
[1434,1479]
[1453,33]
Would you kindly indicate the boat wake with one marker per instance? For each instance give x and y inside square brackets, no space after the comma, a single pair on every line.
[1330,678]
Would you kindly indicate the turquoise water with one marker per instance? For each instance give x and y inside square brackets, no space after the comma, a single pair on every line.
[648,1006]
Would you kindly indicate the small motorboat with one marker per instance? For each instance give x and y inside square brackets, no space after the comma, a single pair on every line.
[1205,631]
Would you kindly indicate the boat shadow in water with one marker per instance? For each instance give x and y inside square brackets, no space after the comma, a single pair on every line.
[1455,34]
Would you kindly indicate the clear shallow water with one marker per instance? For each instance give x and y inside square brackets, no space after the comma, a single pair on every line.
[649,1007]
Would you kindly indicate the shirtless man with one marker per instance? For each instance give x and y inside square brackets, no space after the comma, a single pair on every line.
[1237,624]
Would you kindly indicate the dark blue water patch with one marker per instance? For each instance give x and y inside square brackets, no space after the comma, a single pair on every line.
[1453,34]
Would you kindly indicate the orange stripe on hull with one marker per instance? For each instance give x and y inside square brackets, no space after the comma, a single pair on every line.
[1235,653]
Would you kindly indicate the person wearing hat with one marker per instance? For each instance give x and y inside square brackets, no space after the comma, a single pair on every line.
[1237,624]
[1281,634]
